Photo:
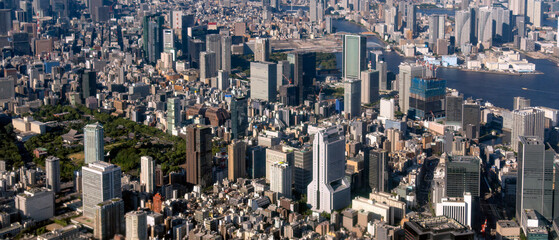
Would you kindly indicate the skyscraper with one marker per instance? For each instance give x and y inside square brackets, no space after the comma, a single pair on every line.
[237,160]
[354,56]
[108,219]
[534,183]
[383,77]
[256,164]
[147,173]
[304,73]
[152,37]
[436,28]
[471,119]
[262,50]
[136,225]
[302,169]
[199,155]
[411,18]
[5,21]
[173,114]
[520,103]
[462,175]
[526,122]
[485,27]
[281,179]
[93,143]
[369,86]
[101,182]
[213,44]
[89,84]
[453,109]
[352,97]
[407,73]
[518,7]
[52,165]
[263,83]
[207,65]
[426,97]
[378,170]
[329,190]
[226,42]
[463,30]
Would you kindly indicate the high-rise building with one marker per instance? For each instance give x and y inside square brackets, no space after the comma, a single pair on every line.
[303,169]
[152,37]
[173,115]
[226,43]
[262,50]
[453,109]
[277,155]
[407,73]
[37,204]
[459,209]
[52,165]
[208,65]
[534,12]
[485,27]
[281,179]
[534,183]
[237,160]
[100,182]
[369,86]
[378,170]
[471,119]
[263,82]
[520,103]
[199,155]
[147,173]
[136,225]
[352,97]
[383,76]
[7,88]
[89,84]
[94,143]
[213,44]
[518,7]
[411,18]
[462,175]
[526,122]
[5,21]
[94,5]
[436,28]
[109,219]
[502,19]
[329,190]
[462,29]
[387,109]
[354,56]
[256,165]
[239,117]
[304,73]
[168,40]
[426,97]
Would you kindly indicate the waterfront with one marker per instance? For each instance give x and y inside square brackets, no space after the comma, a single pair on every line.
[499,89]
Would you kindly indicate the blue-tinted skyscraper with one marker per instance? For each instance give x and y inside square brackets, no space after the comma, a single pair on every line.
[426,97]
[93,143]
[354,56]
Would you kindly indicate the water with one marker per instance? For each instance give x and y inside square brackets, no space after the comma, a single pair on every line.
[499,89]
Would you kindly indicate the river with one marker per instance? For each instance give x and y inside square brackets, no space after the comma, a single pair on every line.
[498,89]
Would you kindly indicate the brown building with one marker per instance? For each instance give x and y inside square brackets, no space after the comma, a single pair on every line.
[237,160]
[199,155]
[217,116]
[157,202]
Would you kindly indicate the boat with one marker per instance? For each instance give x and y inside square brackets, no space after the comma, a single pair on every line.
[524,88]
[388,49]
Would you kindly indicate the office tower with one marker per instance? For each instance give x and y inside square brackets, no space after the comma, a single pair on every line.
[207,65]
[5,21]
[352,97]
[453,109]
[285,73]
[222,80]
[173,114]
[485,27]
[411,18]
[387,108]
[526,122]
[36,203]
[354,56]
[520,103]
[304,73]
[94,5]
[147,173]
[281,179]
[94,143]
[262,50]
[369,86]
[89,84]
[152,37]
[109,219]
[274,156]
[462,30]
[213,44]
[101,182]
[391,17]
[288,95]
[383,77]
[303,169]
[7,88]
[237,160]
[459,209]
[239,117]
[436,28]
[226,42]
[199,155]
[502,19]
[52,165]
[313,4]
[168,40]
[427,96]
[407,73]
[462,175]
[263,81]
[136,225]
[256,165]
[471,118]
[534,12]
[378,170]
[176,20]
[328,190]
[518,7]
[534,184]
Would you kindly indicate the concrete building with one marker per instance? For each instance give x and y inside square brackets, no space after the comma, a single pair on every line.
[208,65]
[437,228]
[108,219]
[369,86]
[37,204]
[136,225]
[174,118]
[329,190]
[236,160]
[262,50]
[281,179]
[459,209]
[94,143]
[199,155]
[274,156]
[263,81]
[387,109]
[352,97]
[354,56]
[52,166]
[407,73]
[462,28]
[147,173]
[302,169]
[526,122]
[462,175]
[100,182]
[508,230]
[7,87]
[520,103]
[378,170]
